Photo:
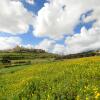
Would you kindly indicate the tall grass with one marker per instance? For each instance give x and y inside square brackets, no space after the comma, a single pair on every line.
[76,79]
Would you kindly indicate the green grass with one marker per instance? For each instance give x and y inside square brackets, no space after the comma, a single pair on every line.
[75,79]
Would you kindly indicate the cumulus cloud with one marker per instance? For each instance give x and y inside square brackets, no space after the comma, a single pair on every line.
[9,42]
[85,41]
[46,45]
[51,46]
[55,20]
[29,46]
[59,17]
[59,49]
[14,18]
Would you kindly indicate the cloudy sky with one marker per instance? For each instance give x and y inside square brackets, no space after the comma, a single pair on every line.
[57,26]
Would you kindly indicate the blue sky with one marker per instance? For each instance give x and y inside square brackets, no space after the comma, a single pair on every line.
[29,38]
[69,28]
[36,7]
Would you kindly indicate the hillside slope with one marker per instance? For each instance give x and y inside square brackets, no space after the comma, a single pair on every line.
[22,56]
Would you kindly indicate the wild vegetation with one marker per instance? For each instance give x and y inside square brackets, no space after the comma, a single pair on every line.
[23,56]
[73,79]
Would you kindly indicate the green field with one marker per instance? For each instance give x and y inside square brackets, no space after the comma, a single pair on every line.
[74,79]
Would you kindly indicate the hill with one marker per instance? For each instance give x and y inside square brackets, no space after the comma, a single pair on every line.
[80,55]
[38,53]
[21,55]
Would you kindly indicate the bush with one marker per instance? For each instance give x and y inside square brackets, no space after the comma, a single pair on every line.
[6,60]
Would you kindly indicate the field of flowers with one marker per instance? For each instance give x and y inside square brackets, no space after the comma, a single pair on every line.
[75,79]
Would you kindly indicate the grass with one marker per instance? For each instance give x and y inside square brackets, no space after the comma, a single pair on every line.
[75,79]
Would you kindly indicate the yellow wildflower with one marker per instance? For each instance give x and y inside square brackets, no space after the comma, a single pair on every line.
[87,98]
[78,97]
[97,95]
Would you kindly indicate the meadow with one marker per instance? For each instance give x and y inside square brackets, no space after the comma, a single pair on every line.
[69,79]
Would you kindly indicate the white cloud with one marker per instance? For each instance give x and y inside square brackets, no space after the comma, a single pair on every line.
[14,18]
[29,46]
[30,1]
[54,20]
[46,45]
[51,46]
[9,42]
[59,49]
[86,40]
[80,42]
[60,17]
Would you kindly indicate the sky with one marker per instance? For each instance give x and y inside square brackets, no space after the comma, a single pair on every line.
[56,26]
